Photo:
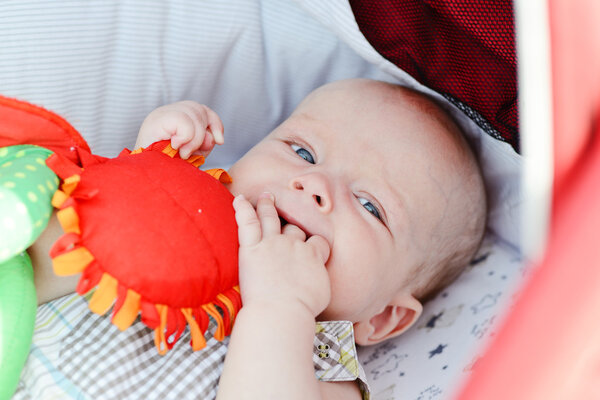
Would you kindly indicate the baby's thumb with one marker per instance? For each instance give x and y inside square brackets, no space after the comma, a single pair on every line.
[320,245]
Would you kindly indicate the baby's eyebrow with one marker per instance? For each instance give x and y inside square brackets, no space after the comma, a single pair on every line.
[307,123]
[394,204]
[304,115]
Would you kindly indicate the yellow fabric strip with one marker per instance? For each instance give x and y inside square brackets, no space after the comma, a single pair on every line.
[69,220]
[128,311]
[59,198]
[160,341]
[219,174]
[72,262]
[169,151]
[196,160]
[213,312]
[105,295]
[70,184]
[198,341]
[230,308]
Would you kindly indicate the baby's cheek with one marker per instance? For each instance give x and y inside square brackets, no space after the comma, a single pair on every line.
[342,304]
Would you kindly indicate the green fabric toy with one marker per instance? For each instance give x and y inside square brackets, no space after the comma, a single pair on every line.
[26,188]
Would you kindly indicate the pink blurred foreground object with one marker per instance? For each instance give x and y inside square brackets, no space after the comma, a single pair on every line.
[548,347]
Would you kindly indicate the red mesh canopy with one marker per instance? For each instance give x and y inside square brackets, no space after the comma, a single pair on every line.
[463,49]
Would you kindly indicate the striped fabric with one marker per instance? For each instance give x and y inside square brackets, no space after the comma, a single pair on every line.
[80,355]
[335,352]
[335,357]
[105,64]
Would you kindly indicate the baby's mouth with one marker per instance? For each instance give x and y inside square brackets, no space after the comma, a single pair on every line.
[285,219]
[282,221]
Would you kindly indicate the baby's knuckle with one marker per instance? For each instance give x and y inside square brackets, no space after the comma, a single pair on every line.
[189,104]
[252,222]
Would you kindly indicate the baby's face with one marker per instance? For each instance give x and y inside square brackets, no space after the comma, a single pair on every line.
[353,165]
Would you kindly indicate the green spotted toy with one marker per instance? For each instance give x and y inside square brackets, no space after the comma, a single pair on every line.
[26,189]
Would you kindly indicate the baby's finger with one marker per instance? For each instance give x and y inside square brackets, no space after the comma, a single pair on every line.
[180,127]
[293,230]
[249,229]
[206,146]
[214,135]
[194,143]
[198,114]
[320,245]
[215,125]
[267,214]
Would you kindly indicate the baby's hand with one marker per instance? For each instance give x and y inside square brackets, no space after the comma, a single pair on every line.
[278,267]
[186,124]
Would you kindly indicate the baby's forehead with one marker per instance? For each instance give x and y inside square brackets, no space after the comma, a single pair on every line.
[390,131]
[368,91]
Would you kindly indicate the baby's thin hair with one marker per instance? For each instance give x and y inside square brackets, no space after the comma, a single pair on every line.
[455,253]
[466,214]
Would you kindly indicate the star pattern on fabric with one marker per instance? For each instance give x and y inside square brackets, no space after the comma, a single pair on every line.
[432,321]
[438,350]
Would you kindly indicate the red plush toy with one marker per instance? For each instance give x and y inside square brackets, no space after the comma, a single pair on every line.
[153,234]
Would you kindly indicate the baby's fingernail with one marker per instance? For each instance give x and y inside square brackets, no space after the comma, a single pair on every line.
[218,136]
[267,195]
[236,201]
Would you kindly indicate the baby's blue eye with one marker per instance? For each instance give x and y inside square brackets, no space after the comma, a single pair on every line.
[302,152]
[370,207]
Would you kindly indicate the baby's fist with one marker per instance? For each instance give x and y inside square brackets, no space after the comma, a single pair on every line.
[193,128]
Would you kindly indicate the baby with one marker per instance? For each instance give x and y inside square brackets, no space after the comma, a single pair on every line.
[363,204]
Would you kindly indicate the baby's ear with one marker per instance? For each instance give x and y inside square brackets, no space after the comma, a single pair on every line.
[402,312]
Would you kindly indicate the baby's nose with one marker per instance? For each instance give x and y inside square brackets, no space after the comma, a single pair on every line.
[317,187]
